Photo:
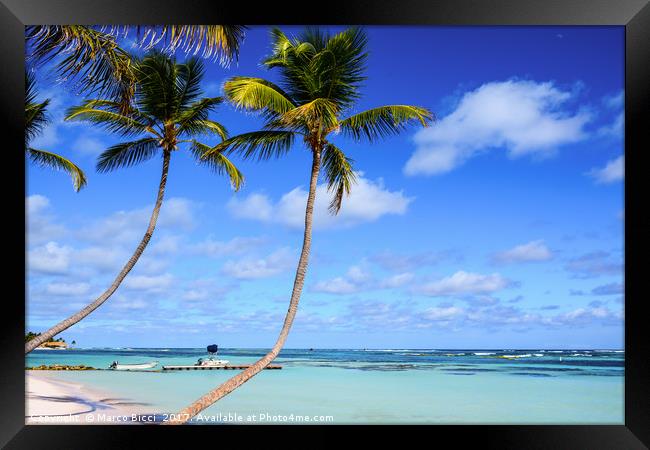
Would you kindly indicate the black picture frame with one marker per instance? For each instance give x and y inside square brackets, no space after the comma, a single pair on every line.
[634,15]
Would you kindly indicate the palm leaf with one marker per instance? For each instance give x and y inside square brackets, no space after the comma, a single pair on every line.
[127,154]
[35,117]
[90,58]
[217,41]
[384,121]
[218,162]
[257,94]
[320,112]
[54,161]
[339,175]
[196,113]
[260,144]
[125,124]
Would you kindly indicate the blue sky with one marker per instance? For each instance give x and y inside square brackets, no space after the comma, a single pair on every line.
[500,226]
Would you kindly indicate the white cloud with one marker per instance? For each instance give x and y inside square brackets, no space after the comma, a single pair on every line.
[67,289]
[613,171]
[86,145]
[40,226]
[524,117]
[50,258]
[443,313]
[530,252]
[36,203]
[102,258]
[358,279]
[148,283]
[398,280]
[252,268]
[235,246]
[463,282]
[338,285]
[128,226]
[368,201]
[195,294]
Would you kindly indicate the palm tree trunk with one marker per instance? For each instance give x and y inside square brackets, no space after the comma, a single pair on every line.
[67,323]
[233,383]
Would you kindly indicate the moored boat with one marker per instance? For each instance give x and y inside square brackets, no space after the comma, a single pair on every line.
[117,366]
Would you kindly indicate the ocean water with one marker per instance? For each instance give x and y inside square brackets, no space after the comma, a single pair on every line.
[372,386]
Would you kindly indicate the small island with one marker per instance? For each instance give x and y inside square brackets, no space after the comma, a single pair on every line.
[50,344]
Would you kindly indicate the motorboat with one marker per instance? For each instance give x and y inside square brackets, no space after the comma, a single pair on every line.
[117,366]
[211,362]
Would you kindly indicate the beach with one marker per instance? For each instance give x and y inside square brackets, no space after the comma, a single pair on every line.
[51,400]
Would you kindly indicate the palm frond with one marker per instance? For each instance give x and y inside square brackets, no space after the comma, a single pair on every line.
[35,116]
[339,175]
[54,161]
[256,94]
[195,113]
[212,41]
[206,127]
[90,58]
[125,124]
[384,121]
[260,144]
[320,112]
[218,162]
[127,154]
[188,83]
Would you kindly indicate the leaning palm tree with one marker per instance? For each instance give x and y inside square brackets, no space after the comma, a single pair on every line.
[35,120]
[320,79]
[168,113]
[92,57]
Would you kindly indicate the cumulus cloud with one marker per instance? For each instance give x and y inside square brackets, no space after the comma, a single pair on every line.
[252,268]
[40,224]
[594,264]
[613,171]
[402,262]
[524,117]
[127,226]
[463,283]
[67,289]
[234,246]
[50,258]
[368,201]
[443,313]
[148,283]
[359,278]
[87,145]
[533,251]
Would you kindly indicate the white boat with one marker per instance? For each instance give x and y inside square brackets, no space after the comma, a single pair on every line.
[211,362]
[117,366]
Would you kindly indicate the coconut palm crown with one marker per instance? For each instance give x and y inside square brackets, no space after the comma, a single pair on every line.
[168,114]
[35,120]
[320,78]
[91,57]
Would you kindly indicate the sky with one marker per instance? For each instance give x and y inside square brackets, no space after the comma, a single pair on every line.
[499,226]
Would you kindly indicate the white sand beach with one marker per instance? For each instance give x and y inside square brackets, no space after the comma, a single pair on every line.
[49,400]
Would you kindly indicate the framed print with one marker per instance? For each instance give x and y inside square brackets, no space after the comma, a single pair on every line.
[382,215]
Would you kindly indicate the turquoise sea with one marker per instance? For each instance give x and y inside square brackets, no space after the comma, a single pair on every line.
[373,385]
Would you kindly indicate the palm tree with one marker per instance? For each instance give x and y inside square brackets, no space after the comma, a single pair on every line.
[320,77]
[35,120]
[92,57]
[168,112]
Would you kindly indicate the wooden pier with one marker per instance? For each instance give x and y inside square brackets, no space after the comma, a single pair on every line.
[226,367]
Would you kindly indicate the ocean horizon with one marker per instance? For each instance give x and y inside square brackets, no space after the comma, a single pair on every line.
[442,386]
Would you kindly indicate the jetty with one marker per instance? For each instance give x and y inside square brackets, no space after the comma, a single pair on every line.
[224,367]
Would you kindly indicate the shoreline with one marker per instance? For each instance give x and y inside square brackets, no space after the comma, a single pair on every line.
[49,400]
